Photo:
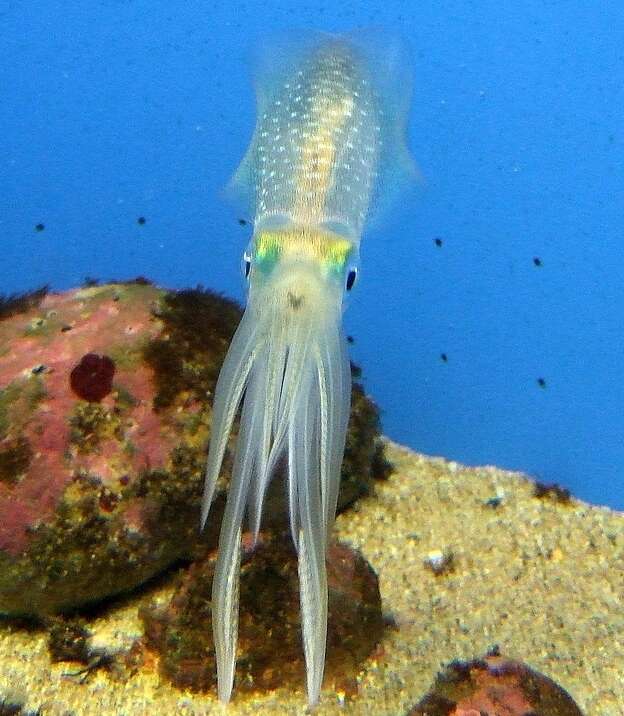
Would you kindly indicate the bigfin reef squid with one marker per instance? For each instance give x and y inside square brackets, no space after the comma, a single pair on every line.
[328,151]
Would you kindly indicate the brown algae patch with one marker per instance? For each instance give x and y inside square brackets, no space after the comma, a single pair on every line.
[15,457]
[21,302]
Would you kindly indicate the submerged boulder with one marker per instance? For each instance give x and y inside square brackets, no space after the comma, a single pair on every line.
[270,650]
[105,395]
[494,686]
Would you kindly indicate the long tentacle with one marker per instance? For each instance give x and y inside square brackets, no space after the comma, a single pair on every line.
[312,572]
[225,587]
[228,394]
[334,380]
[295,378]
[293,363]
[277,353]
[317,433]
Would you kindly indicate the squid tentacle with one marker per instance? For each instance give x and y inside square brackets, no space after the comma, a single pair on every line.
[294,403]
[228,394]
[225,588]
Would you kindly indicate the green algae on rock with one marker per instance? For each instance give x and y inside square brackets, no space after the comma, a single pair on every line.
[99,495]
[270,653]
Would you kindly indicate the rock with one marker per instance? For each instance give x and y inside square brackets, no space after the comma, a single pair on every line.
[105,396]
[270,650]
[494,686]
[68,640]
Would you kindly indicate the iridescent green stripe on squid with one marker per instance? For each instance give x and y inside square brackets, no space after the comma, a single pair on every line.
[330,250]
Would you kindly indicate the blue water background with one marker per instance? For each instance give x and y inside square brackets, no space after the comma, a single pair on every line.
[119,109]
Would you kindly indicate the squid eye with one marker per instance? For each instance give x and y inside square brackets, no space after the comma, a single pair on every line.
[246,264]
[351,276]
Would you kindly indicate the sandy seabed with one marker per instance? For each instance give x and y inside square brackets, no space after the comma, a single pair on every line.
[542,579]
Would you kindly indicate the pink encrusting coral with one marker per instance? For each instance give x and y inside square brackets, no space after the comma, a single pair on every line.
[105,406]
[41,350]
[82,447]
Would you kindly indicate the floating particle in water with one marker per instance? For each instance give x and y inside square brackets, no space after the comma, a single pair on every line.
[541,382]
[444,357]
[437,241]
[242,222]
[537,261]
[39,227]
[92,378]
[141,220]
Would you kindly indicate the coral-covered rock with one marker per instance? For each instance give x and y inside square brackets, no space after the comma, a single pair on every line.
[270,650]
[494,686]
[105,397]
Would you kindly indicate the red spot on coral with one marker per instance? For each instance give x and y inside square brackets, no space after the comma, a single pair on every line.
[92,378]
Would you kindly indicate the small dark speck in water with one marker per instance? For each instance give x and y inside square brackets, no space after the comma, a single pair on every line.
[444,357]
[242,222]
[541,382]
[141,220]
[537,261]
[39,227]
[437,241]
